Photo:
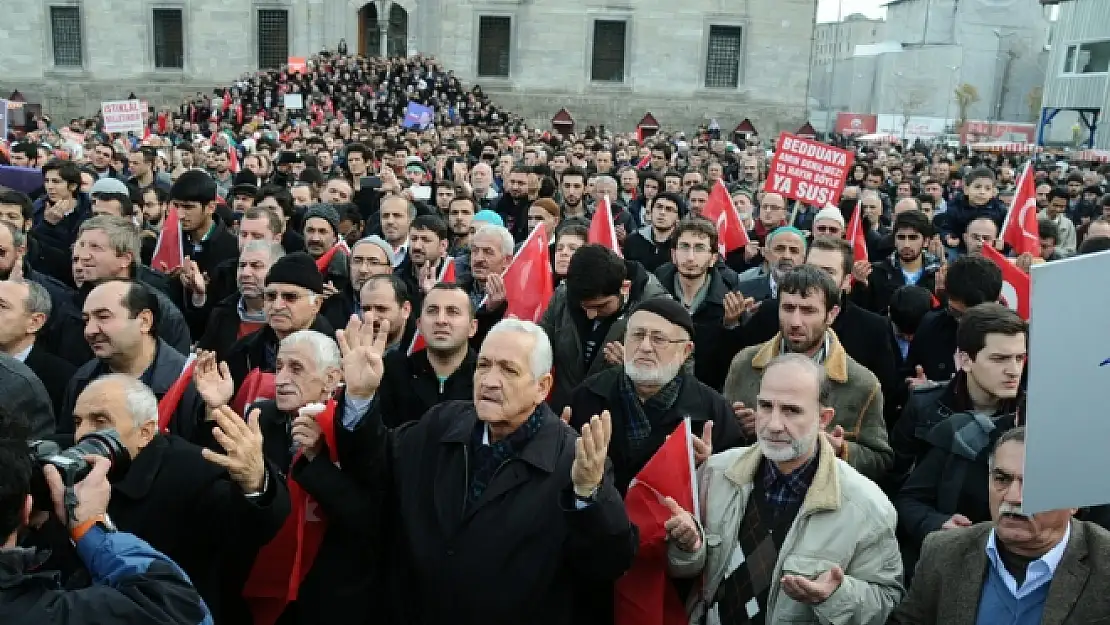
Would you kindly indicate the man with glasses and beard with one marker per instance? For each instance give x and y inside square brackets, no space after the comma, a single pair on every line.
[796,535]
[697,282]
[809,302]
[785,249]
[649,394]
[908,265]
[1041,563]
[443,370]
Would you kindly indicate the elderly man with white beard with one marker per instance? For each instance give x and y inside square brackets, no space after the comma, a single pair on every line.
[652,392]
[788,532]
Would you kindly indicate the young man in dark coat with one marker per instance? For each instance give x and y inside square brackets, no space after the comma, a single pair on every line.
[492,493]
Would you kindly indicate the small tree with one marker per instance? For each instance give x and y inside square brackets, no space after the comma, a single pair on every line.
[910,101]
[966,96]
[1034,99]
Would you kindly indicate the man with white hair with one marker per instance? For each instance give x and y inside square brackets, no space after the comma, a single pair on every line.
[24,309]
[242,312]
[491,250]
[481,184]
[495,492]
[650,394]
[207,511]
[297,440]
[841,563]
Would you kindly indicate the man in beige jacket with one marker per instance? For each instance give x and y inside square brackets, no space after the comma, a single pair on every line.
[808,303]
[788,533]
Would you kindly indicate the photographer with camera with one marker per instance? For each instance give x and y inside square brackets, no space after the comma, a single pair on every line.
[209,512]
[131,582]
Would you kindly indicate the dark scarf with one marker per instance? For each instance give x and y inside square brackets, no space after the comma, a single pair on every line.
[487,459]
[642,414]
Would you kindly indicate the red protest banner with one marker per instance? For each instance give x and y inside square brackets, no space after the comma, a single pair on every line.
[808,171]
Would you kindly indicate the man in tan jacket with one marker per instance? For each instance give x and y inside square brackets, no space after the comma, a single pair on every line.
[787,532]
[809,302]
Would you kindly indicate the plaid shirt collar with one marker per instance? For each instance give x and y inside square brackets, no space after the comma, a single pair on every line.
[789,488]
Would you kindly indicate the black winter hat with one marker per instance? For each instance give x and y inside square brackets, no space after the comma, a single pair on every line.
[669,309]
[324,211]
[297,269]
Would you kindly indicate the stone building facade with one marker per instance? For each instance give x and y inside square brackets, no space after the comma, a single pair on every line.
[605,61]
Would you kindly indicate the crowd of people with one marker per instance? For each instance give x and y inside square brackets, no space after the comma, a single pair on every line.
[315,426]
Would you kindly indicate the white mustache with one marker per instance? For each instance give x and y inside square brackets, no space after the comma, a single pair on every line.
[1011,509]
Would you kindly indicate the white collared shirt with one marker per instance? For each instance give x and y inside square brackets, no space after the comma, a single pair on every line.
[1039,572]
[22,356]
[400,253]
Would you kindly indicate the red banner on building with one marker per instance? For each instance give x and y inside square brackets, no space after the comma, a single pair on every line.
[975,131]
[808,171]
[856,123]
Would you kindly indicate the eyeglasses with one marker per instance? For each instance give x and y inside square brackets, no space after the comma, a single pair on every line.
[697,248]
[827,229]
[658,340]
[369,262]
[289,297]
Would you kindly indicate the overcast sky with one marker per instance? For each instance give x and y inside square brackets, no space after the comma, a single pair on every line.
[827,9]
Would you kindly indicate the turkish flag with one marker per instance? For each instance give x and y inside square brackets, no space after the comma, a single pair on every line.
[529,283]
[856,236]
[1020,231]
[720,210]
[644,595]
[1016,286]
[602,230]
[446,274]
[282,564]
[168,252]
[167,406]
[257,385]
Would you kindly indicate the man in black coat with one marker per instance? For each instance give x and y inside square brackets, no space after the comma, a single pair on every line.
[209,518]
[650,395]
[207,240]
[343,580]
[443,370]
[490,493]
[946,434]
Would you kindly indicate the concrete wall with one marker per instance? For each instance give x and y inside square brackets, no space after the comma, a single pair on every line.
[665,72]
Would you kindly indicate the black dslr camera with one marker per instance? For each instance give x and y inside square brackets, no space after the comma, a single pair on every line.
[71,463]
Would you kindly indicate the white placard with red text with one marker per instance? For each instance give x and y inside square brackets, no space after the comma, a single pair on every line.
[811,172]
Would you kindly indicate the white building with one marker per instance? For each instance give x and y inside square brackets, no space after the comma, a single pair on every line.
[834,43]
[606,61]
[928,48]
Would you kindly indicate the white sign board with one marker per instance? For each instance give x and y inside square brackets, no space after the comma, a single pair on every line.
[123,116]
[294,101]
[924,128]
[1067,422]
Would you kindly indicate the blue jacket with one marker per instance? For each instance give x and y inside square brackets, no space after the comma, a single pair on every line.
[62,235]
[130,581]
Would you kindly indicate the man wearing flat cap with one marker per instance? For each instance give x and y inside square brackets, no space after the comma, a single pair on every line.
[291,301]
[321,234]
[653,391]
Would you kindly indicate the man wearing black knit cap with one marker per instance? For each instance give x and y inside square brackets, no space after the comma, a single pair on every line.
[650,395]
[321,234]
[291,300]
